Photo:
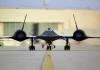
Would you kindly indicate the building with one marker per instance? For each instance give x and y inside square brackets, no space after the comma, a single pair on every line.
[60,19]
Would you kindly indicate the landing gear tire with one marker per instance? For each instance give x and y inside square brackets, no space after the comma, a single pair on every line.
[30,48]
[42,46]
[33,48]
[54,46]
[50,47]
[47,47]
[67,47]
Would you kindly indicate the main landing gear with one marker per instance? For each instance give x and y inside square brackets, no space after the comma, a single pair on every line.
[31,46]
[67,47]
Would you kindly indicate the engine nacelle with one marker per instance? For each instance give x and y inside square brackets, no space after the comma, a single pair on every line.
[19,35]
[79,35]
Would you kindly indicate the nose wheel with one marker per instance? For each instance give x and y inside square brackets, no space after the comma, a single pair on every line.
[48,47]
[54,46]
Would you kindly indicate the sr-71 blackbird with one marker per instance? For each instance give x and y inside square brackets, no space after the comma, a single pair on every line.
[49,36]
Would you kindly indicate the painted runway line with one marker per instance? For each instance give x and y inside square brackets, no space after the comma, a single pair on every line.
[48,62]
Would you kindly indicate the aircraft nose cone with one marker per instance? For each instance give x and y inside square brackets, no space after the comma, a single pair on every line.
[49,29]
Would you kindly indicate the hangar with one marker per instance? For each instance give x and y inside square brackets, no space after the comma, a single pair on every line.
[60,19]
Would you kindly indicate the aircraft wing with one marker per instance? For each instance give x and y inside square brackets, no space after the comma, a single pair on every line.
[34,37]
[71,37]
[31,36]
[28,37]
[92,37]
[4,37]
[67,36]
[64,37]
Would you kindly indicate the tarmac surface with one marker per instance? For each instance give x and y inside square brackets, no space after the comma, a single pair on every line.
[80,57]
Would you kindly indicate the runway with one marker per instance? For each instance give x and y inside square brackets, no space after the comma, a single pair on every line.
[80,57]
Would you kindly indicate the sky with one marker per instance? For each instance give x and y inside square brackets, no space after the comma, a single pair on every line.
[92,4]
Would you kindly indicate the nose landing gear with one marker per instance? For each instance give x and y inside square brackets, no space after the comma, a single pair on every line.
[54,46]
[48,47]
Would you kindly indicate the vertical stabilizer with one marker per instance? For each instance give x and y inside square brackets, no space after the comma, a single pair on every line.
[24,22]
[75,22]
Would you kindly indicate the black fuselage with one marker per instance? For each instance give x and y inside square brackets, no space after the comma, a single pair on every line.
[49,35]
